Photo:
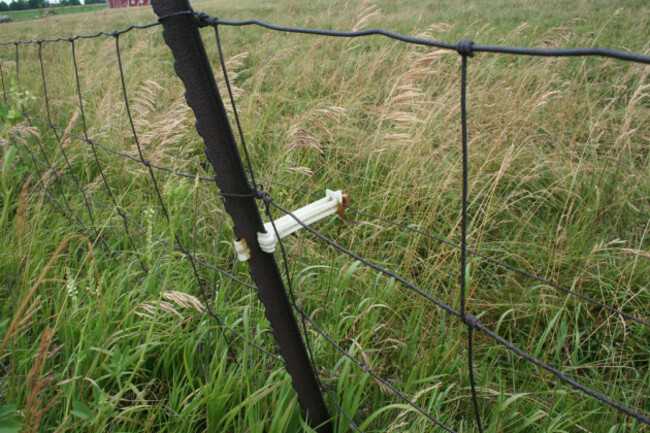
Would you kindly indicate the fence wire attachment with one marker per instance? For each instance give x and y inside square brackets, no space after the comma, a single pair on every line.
[465,47]
[334,202]
[241,247]
[202,19]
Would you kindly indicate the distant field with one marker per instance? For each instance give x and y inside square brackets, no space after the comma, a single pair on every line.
[39,13]
[559,186]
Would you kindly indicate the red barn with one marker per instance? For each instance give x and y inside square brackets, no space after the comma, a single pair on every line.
[127,3]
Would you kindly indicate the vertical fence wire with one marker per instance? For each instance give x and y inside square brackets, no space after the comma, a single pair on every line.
[292,297]
[465,51]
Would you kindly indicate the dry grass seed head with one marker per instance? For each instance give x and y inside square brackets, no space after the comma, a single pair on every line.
[301,137]
[430,32]
[145,100]
[38,384]
[184,300]
[321,118]
[180,299]
[65,138]
[366,11]
[162,132]
[233,64]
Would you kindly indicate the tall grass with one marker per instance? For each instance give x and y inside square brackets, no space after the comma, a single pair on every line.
[559,186]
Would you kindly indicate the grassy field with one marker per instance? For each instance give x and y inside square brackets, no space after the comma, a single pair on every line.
[40,13]
[559,186]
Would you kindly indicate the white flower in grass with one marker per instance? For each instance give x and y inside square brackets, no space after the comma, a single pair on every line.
[71,287]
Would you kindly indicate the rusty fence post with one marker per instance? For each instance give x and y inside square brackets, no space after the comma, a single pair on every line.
[181,34]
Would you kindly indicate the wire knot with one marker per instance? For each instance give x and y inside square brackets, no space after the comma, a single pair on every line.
[260,194]
[202,19]
[146,162]
[464,47]
[470,320]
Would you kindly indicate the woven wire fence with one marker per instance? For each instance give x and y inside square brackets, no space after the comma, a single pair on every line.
[100,209]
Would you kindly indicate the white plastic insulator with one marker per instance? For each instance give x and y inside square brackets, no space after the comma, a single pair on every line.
[332,203]
[243,253]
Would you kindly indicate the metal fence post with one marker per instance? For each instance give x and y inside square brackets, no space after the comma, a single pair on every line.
[181,33]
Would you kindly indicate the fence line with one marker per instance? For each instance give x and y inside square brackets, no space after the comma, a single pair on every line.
[465,49]
[205,19]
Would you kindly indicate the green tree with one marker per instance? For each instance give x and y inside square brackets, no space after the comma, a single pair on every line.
[35,4]
[17,5]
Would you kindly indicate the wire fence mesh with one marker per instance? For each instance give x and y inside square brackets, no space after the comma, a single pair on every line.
[81,167]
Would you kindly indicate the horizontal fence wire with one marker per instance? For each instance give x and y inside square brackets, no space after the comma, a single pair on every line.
[429,235]
[433,236]
[464,48]
[143,162]
[90,36]
[525,51]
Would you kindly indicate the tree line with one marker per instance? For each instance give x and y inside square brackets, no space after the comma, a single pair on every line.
[21,5]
